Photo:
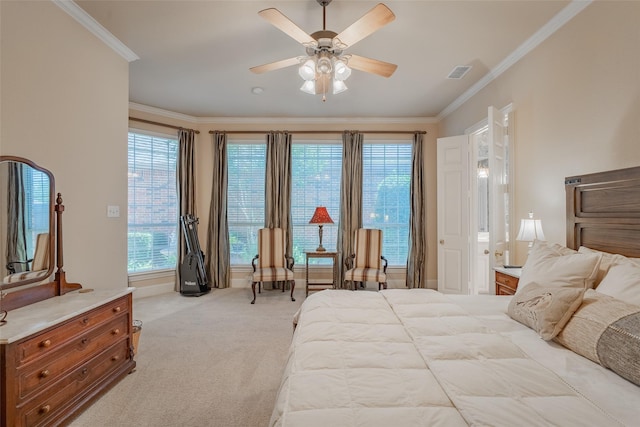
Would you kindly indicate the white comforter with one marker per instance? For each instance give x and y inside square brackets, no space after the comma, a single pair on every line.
[414,358]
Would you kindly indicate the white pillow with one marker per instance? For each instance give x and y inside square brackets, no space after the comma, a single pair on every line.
[605,263]
[547,266]
[622,281]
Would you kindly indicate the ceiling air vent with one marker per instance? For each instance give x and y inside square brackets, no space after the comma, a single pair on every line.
[459,71]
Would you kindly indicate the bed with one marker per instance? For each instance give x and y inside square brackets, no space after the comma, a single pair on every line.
[556,353]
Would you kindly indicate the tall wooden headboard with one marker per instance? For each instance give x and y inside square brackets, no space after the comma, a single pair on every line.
[603,211]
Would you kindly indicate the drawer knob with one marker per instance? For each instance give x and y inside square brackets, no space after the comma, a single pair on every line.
[45,343]
[83,341]
[115,358]
[44,374]
[116,310]
[44,409]
[115,331]
[85,320]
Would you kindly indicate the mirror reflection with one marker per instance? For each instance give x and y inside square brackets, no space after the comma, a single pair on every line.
[26,191]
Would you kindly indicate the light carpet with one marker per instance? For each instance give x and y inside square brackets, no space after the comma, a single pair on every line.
[214,360]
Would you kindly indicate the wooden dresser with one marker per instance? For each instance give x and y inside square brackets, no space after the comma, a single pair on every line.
[507,280]
[59,355]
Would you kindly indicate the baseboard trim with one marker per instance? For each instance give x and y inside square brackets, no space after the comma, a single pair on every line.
[149,291]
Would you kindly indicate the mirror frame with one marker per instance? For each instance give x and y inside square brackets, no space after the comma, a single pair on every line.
[52,230]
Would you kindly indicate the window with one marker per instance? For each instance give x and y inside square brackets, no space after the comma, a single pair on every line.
[315,176]
[386,180]
[36,187]
[316,172]
[245,198]
[153,204]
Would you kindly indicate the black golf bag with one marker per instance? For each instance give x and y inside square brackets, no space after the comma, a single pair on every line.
[193,276]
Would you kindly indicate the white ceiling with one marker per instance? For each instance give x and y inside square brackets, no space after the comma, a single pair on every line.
[195,55]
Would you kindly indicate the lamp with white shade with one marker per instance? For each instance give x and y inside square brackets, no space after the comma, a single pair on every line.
[530,230]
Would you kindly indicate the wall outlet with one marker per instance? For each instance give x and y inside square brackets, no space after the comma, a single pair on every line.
[113,211]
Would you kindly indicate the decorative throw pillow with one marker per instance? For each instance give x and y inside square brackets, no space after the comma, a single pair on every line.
[622,281]
[545,309]
[607,331]
[549,267]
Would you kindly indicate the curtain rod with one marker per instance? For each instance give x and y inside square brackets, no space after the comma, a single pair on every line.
[319,131]
[151,122]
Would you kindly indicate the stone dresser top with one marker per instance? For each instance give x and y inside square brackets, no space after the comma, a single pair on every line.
[37,317]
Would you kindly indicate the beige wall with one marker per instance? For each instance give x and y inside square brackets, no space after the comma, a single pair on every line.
[577,109]
[64,105]
[204,160]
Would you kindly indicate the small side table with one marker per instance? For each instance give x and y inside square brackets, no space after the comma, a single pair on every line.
[507,280]
[319,286]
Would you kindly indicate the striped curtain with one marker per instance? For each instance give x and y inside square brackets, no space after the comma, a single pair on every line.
[186,187]
[350,196]
[218,262]
[417,257]
[277,190]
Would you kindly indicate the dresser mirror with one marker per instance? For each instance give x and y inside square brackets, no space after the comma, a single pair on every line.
[26,222]
[31,227]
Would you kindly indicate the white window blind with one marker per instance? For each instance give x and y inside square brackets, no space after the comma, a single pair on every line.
[386,181]
[245,198]
[36,185]
[316,173]
[316,169]
[153,205]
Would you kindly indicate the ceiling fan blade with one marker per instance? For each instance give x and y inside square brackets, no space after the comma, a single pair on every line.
[374,66]
[372,21]
[284,24]
[275,65]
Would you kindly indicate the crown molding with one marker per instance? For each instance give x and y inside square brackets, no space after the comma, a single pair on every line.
[163,113]
[87,21]
[554,24]
[276,120]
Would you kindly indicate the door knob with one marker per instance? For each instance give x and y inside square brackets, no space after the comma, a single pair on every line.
[442,241]
[486,251]
[497,254]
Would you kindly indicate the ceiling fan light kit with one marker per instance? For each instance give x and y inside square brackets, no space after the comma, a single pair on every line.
[325,68]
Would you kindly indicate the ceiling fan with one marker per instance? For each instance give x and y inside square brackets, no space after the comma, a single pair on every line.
[325,64]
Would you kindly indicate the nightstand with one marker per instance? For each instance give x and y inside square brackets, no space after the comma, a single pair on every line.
[507,280]
[318,286]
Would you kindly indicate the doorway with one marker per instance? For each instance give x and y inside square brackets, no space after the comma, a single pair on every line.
[473,208]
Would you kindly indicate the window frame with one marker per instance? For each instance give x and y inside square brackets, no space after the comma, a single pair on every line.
[158,272]
[335,217]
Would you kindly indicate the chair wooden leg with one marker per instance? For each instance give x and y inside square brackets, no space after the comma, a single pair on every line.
[293,285]
[253,288]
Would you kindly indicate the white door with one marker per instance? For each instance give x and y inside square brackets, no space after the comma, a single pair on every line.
[498,191]
[453,214]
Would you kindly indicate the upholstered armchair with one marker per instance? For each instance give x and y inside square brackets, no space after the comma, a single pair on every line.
[273,265]
[366,263]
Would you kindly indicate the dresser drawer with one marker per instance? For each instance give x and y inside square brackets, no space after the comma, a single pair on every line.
[34,377]
[48,408]
[505,284]
[48,341]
